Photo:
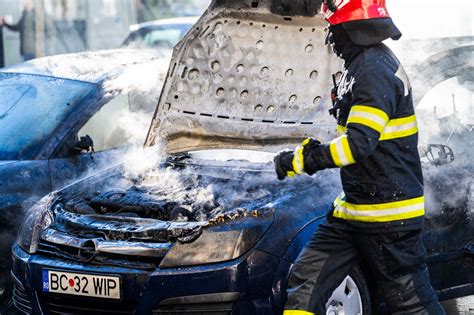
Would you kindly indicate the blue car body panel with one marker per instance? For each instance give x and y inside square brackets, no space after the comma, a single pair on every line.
[28,179]
[253,283]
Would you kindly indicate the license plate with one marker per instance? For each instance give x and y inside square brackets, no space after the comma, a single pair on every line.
[107,287]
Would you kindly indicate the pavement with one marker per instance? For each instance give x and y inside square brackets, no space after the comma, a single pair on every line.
[462,306]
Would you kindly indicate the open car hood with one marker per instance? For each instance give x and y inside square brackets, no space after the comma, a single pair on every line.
[249,75]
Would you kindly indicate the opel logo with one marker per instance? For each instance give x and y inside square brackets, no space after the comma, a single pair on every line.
[88,251]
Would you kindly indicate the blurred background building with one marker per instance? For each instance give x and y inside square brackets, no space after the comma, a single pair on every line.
[64,26]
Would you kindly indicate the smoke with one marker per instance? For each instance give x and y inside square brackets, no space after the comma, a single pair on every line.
[140,162]
[143,164]
[445,116]
[198,189]
[96,66]
[445,112]
[142,77]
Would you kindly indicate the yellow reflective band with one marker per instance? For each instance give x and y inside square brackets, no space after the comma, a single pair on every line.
[372,219]
[384,212]
[339,199]
[368,116]
[341,130]
[371,110]
[380,206]
[296,312]
[298,160]
[290,174]
[341,151]
[399,128]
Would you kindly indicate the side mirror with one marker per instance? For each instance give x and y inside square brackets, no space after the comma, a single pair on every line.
[84,144]
[437,154]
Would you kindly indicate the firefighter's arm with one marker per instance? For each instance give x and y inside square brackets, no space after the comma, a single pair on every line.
[374,101]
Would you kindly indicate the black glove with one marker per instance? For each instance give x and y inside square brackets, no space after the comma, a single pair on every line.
[284,164]
[289,164]
[305,156]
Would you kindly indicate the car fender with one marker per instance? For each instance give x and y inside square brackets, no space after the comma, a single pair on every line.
[286,262]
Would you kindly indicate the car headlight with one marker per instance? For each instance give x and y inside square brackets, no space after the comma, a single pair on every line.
[218,244]
[36,220]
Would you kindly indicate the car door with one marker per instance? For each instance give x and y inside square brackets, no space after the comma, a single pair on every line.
[117,126]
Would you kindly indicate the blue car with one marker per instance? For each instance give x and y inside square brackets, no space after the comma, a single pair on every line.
[197,236]
[198,223]
[50,122]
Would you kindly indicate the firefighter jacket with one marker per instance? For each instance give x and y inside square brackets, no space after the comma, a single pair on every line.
[377,145]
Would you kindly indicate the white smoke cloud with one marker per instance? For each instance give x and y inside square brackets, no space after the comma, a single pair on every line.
[445,113]
[141,162]
[125,70]
[446,110]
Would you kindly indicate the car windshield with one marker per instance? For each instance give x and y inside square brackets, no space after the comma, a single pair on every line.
[157,36]
[31,108]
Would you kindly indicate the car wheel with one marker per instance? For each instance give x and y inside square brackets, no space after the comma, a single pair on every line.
[351,297]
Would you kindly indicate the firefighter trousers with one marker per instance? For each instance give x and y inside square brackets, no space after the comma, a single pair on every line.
[395,259]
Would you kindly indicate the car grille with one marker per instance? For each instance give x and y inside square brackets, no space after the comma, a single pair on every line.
[49,249]
[212,304]
[62,305]
[21,300]
[196,309]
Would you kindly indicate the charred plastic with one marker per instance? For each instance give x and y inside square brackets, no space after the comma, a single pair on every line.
[137,225]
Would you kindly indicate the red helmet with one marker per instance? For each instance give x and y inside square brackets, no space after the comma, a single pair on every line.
[367,22]
[340,11]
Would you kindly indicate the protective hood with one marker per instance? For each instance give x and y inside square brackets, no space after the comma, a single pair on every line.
[371,32]
[247,77]
[342,45]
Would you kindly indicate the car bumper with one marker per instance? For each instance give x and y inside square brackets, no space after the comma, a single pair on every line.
[246,285]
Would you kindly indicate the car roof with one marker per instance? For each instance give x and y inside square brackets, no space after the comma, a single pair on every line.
[171,21]
[90,66]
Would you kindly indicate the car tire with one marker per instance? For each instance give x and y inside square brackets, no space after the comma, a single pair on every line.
[351,297]
[6,299]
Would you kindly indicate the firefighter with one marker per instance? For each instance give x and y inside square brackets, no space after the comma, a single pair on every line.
[377,220]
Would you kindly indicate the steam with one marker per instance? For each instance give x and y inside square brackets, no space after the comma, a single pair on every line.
[192,189]
[120,70]
[141,77]
[446,111]
[141,162]
[186,187]
[445,114]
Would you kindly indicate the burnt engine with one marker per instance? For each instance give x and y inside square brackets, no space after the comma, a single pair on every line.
[190,198]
